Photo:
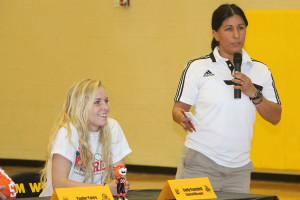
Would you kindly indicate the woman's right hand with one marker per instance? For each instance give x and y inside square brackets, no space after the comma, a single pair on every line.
[113,187]
[2,197]
[185,124]
[179,117]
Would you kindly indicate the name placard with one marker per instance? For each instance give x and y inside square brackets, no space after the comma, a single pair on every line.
[187,189]
[82,193]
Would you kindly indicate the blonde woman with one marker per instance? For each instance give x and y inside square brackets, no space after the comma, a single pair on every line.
[85,144]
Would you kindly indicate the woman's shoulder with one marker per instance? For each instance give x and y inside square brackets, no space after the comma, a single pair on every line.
[259,67]
[202,61]
[68,130]
[206,58]
[111,120]
[258,62]
[256,65]
[112,123]
[115,128]
[67,126]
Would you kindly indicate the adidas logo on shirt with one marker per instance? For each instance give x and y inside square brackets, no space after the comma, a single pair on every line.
[208,73]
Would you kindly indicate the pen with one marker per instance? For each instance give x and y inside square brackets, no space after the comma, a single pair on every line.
[188,121]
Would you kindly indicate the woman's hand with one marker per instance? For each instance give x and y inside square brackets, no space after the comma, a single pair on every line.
[185,123]
[113,187]
[2,197]
[179,117]
[246,85]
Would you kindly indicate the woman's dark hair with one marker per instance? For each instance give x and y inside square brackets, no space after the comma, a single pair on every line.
[220,14]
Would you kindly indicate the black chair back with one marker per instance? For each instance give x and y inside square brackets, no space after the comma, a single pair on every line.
[27,183]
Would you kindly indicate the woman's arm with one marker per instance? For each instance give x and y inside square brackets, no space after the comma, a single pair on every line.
[61,167]
[268,110]
[178,116]
[60,171]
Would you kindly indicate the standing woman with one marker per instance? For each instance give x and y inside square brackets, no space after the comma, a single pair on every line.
[220,147]
[85,144]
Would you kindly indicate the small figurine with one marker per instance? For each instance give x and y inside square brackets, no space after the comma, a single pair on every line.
[120,172]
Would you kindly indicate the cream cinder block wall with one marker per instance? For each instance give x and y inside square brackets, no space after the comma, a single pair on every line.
[138,53]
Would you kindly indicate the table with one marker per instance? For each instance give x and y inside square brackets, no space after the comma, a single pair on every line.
[153,194]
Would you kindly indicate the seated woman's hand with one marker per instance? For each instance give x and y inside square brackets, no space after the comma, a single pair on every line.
[2,197]
[113,187]
[127,186]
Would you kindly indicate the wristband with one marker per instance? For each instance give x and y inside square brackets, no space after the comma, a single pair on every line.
[258,94]
[256,104]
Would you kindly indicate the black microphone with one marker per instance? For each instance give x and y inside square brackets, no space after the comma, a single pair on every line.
[237,60]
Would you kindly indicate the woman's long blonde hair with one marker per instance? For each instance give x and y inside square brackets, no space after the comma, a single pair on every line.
[76,109]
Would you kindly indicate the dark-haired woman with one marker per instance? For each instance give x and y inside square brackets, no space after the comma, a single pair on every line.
[219,148]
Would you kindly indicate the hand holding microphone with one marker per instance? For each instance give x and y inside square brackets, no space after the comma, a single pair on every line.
[237,60]
[245,82]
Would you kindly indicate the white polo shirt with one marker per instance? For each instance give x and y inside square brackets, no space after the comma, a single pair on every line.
[226,124]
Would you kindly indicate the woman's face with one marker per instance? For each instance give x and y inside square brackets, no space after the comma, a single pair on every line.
[231,36]
[99,111]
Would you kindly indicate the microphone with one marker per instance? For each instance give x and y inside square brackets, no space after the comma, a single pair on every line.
[237,60]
